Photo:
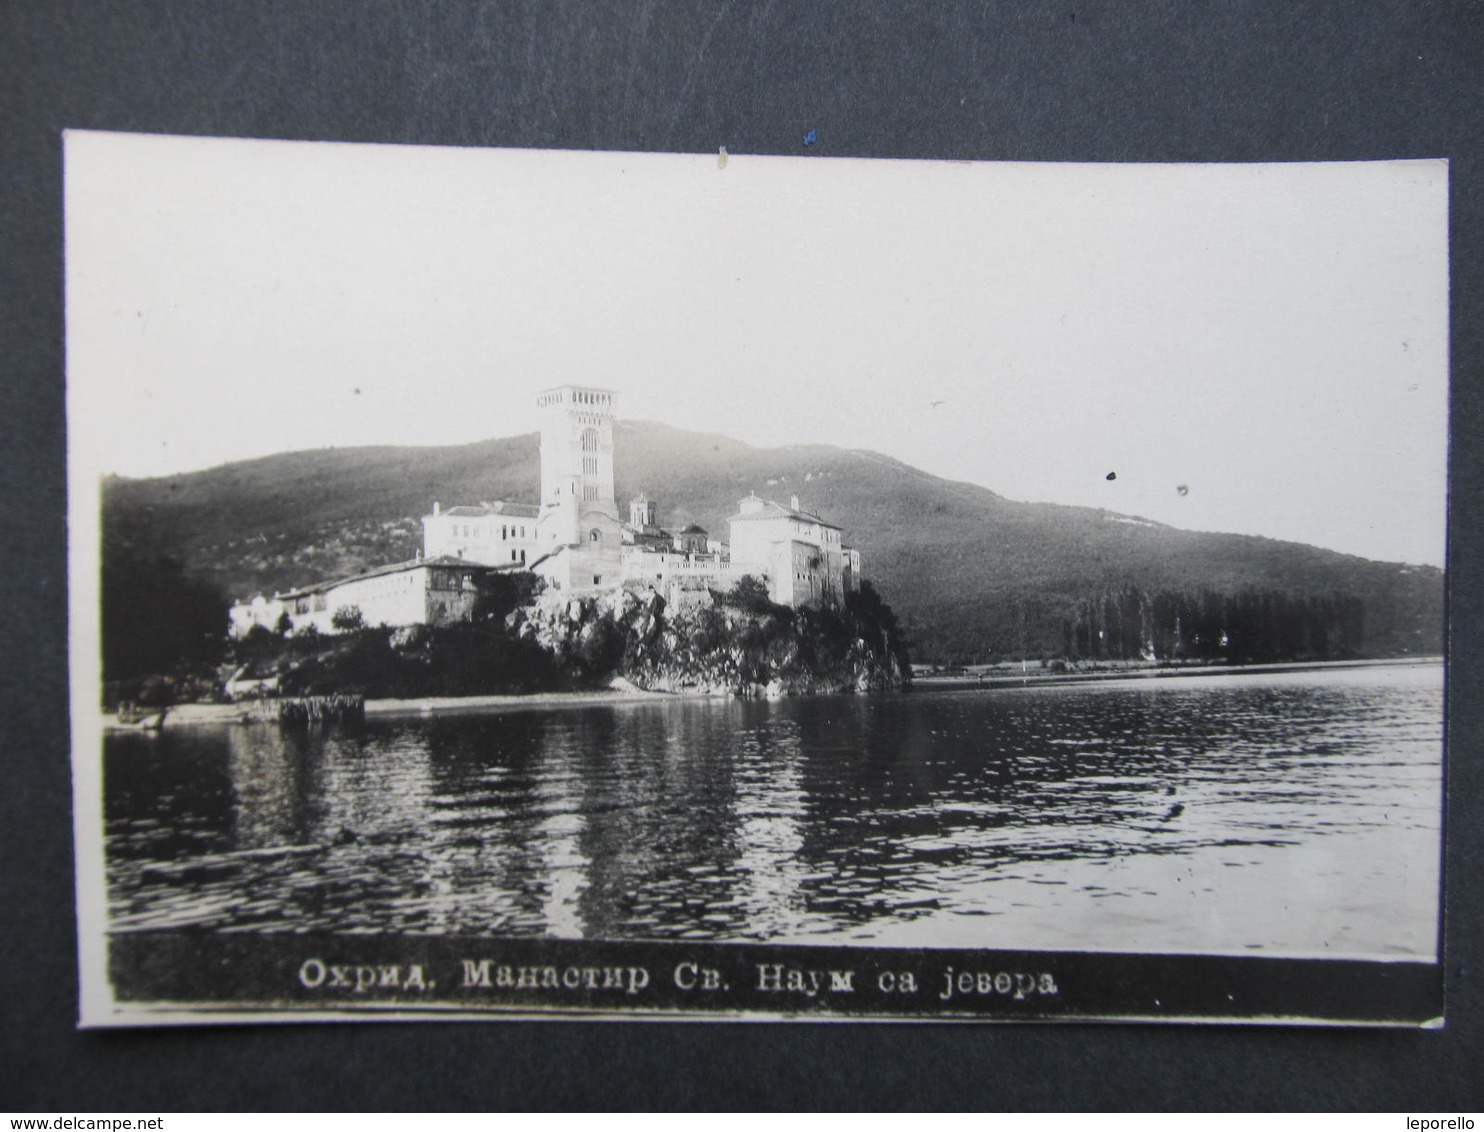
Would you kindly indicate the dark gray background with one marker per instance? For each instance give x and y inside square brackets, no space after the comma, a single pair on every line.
[1039,80]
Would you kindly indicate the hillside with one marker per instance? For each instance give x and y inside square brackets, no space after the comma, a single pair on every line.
[971,575]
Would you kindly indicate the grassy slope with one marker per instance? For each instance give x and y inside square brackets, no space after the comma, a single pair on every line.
[966,569]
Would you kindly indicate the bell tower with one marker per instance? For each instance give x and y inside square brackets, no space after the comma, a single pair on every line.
[576,461]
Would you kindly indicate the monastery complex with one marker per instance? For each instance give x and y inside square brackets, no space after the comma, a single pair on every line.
[578,542]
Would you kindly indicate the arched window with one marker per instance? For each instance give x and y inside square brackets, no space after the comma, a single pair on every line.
[595,535]
[589,440]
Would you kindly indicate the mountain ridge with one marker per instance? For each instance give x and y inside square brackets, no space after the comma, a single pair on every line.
[972,573]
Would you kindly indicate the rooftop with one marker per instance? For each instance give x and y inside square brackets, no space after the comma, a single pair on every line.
[771,510]
[444,560]
[499,507]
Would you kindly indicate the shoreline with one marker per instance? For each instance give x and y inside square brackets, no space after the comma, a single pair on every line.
[447,705]
[185,715]
[1036,677]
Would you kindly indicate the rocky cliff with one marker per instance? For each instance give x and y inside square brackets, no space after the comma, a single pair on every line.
[712,644]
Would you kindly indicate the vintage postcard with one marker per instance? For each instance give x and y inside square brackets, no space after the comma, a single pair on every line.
[543,584]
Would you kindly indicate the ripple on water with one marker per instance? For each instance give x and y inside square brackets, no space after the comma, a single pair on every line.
[904,819]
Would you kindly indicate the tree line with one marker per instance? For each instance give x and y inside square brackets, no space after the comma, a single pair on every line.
[1253,626]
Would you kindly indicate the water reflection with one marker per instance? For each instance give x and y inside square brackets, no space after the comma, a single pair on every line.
[1295,812]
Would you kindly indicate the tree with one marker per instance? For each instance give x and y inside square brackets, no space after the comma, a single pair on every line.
[750,595]
[598,649]
[871,614]
[259,644]
[501,594]
[348,619]
[156,619]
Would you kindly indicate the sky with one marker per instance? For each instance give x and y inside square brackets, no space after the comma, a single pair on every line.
[1251,348]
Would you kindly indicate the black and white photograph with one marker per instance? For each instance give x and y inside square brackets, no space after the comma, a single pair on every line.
[537,584]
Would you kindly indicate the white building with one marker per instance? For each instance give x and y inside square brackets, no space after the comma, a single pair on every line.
[798,554]
[424,591]
[497,534]
[579,539]
[672,573]
[575,540]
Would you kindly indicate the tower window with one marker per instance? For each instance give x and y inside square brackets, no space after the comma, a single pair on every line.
[595,535]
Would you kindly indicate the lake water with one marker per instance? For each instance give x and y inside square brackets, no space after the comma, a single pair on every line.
[1295,813]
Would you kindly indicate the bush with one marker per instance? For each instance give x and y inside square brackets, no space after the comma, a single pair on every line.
[348,619]
[259,643]
[502,594]
[750,595]
[156,691]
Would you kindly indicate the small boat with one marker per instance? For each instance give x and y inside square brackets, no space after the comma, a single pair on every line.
[142,719]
